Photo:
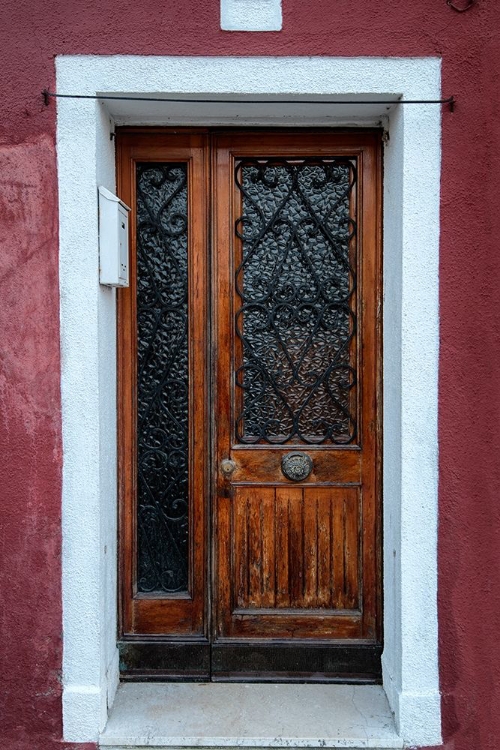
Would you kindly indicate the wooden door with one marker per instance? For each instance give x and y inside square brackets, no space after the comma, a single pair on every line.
[281,529]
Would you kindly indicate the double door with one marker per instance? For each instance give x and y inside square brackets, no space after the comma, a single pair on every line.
[249,406]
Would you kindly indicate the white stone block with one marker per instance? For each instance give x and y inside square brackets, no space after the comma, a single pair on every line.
[250,15]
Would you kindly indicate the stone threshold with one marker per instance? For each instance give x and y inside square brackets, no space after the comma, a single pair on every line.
[249,715]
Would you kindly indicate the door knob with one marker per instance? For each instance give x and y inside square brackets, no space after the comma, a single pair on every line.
[227,466]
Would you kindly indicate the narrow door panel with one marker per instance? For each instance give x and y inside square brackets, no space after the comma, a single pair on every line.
[162,350]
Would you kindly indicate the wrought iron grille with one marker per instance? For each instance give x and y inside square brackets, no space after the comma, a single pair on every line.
[296,371]
[162,378]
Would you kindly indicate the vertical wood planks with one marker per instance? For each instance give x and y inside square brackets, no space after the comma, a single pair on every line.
[296,547]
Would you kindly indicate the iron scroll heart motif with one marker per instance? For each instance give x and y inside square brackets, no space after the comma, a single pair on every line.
[296,466]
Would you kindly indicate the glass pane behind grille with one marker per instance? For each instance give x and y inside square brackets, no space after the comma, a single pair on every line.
[295,320]
[162,387]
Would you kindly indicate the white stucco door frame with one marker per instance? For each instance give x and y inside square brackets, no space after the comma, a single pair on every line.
[88,332]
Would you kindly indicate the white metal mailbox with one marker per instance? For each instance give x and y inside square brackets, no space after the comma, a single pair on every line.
[113,239]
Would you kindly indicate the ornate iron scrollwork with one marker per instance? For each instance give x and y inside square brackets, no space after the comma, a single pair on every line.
[162,378]
[296,466]
[297,287]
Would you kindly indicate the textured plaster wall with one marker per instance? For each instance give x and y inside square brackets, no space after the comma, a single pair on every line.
[31,34]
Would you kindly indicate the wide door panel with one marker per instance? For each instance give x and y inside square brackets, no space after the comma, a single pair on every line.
[296,340]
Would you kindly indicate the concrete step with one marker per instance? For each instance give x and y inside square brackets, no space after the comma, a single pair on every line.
[172,716]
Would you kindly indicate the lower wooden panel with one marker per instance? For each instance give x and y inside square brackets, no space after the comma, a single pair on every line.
[296,560]
[172,615]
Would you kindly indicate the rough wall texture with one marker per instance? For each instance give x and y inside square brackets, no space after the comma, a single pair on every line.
[31,34]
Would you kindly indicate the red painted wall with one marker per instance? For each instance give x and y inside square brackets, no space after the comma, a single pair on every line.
[31,35]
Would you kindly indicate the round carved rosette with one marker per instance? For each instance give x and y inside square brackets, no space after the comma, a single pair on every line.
[296,466]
